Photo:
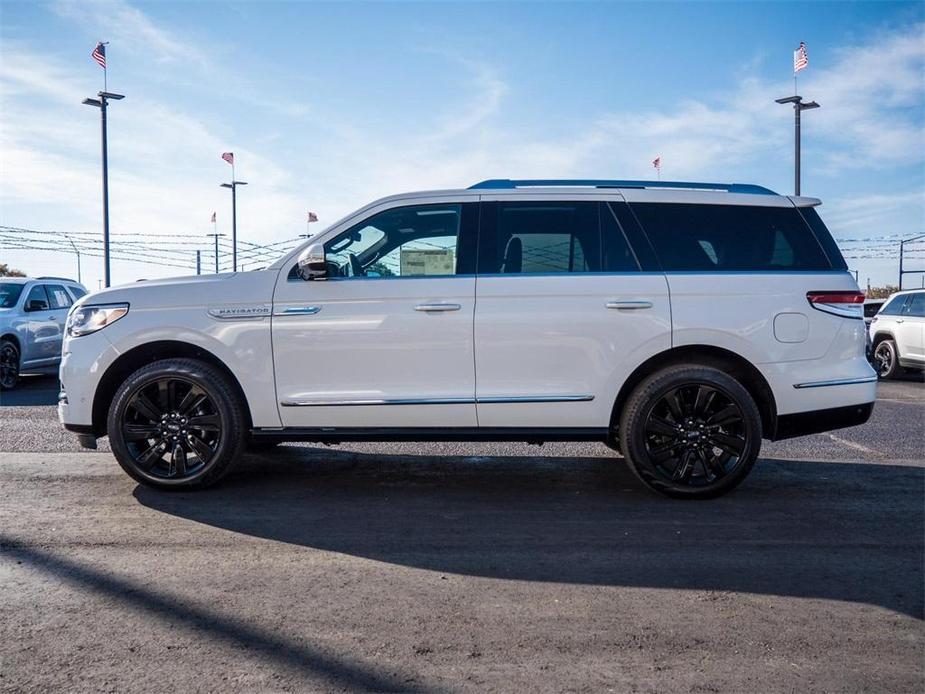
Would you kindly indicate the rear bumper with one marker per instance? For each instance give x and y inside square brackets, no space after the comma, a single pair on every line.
[816,421]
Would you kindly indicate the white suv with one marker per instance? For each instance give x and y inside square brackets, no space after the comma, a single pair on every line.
[897,333]
[680,323]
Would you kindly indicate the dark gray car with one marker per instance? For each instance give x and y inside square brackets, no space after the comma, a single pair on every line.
[32,316]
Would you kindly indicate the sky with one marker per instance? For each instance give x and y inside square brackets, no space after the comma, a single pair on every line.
[329,106]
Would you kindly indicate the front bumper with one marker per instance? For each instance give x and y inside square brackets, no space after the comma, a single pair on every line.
[83,363]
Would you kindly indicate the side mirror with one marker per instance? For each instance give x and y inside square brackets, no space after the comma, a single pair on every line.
[312,265]
[36,305]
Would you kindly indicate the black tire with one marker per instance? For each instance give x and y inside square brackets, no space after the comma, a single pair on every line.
[691,432]
[177,424]
[886,359]
[9,365]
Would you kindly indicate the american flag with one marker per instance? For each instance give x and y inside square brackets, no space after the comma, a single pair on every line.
[657,162]
[99,54]
[229,157]
[800,58]
[312,217]
[213,218]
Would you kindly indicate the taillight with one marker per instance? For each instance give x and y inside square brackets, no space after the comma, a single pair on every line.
[849,304]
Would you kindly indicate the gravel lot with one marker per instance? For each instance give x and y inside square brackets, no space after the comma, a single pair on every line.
[451,567]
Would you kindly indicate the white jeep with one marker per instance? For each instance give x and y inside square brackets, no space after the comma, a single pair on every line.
[680,323]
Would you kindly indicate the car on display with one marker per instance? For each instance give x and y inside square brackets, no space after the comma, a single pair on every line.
[32,316]
[897,334]
[871,307]
[680,323]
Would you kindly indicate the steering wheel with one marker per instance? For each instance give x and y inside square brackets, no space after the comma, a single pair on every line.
[356,270]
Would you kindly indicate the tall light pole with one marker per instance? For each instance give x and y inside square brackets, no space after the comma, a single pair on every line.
[216,250]
[234,220]
[798,107]
[74,246]
[101,104]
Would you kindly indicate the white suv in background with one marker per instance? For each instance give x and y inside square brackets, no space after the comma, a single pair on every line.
[897,333]
[680,323]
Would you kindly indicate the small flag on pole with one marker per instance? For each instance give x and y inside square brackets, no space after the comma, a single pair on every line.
[800,58]
[657,163]
[229,157]
[99,54]
[312,217]
[213,218]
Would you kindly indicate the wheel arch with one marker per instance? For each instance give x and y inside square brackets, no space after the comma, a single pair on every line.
[880,336]
[147,353]
[730,362]
[14,338]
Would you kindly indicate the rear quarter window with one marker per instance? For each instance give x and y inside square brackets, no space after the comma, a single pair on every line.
[731,238]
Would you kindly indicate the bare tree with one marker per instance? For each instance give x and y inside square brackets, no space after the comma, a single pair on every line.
[7,271]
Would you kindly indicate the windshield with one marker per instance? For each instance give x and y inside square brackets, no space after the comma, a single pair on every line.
[9,294]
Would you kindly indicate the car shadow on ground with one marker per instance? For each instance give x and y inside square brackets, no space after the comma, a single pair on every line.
[840,531]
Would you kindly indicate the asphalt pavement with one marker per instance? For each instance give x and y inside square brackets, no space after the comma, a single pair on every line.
[458,567]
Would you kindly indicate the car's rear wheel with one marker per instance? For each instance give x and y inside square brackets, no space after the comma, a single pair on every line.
[9,365]
[691,432]
[177,423]
[886,360]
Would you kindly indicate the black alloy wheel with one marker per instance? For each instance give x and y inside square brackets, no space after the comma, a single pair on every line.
[691,432]
[177,423]
[695,435]
[885,358]
[9,365]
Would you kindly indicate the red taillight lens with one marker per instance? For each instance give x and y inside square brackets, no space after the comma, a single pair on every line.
[848,304]
[848,297]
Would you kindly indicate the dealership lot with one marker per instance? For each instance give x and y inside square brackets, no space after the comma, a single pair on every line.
[463,567]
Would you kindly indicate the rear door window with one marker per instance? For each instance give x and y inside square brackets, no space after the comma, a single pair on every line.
[915,305]
[730,238]
[58,296]
[540,237]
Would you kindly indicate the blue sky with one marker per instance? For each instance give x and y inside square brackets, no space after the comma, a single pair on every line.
[327,106]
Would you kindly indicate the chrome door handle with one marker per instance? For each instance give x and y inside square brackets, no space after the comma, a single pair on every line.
[436,308]
[629,304]
[299,311]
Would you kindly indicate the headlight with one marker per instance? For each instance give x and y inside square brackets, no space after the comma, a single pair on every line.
[89,319]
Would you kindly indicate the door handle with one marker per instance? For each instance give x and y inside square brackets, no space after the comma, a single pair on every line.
[629,304]
[437,308]
[56,318]
[900,320]
[299,311]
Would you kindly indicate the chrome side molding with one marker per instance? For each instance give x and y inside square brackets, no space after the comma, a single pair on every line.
[487,400]
[298,311]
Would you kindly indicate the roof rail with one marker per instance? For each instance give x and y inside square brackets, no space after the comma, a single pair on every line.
[62,279]
[508,184]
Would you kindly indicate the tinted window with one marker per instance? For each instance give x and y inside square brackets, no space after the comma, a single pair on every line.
[618,256]
[37,299]
[915,305]
[541,237]
[824,238]
[416,241]
[9,294]
[77,291]
[730,237]
[894,306]
[57,295]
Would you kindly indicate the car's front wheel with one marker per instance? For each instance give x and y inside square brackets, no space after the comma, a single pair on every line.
[9,365]
[691,432]
[886,361]
[177,423]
